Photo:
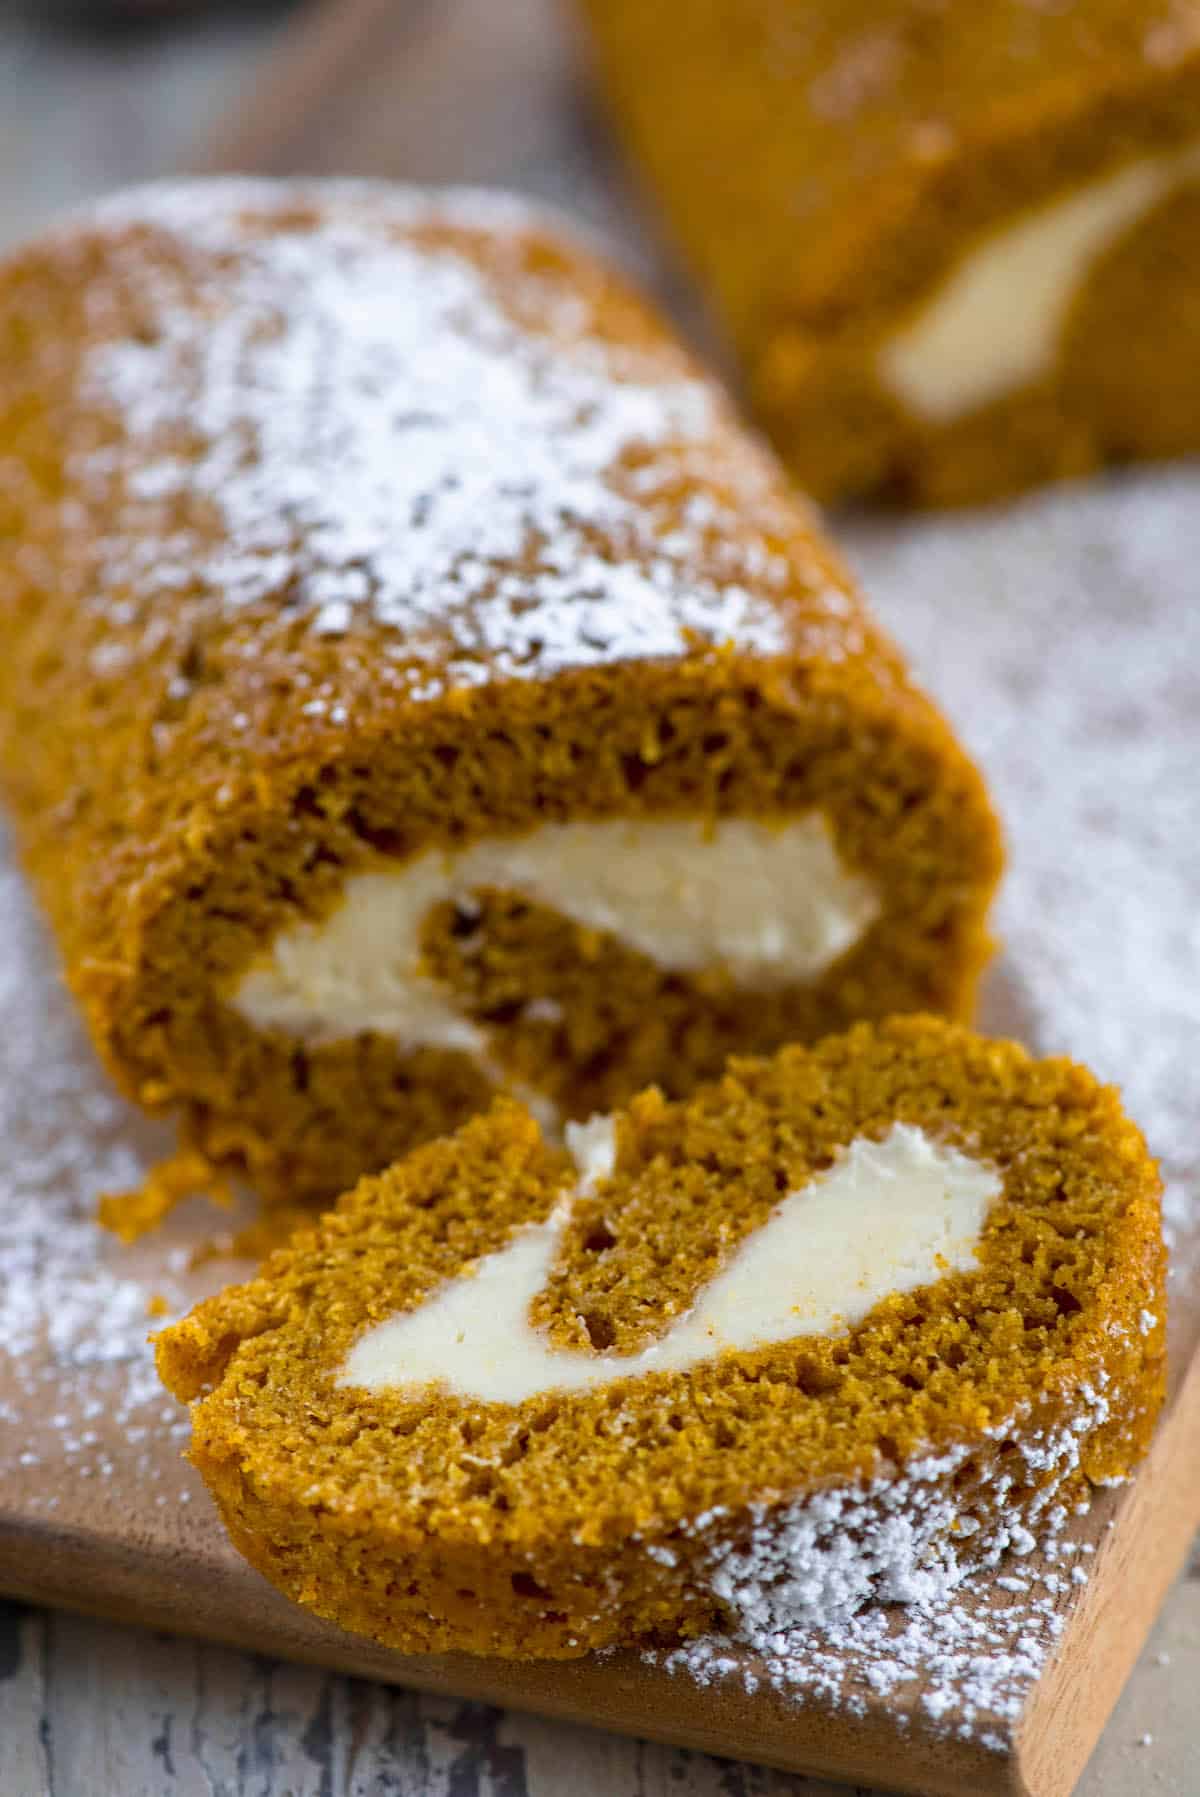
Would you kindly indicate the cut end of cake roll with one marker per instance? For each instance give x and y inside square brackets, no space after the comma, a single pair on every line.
[846,1326]
[958,254]
[418,686]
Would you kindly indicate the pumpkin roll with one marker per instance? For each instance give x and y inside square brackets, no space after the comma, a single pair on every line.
[844,1326]
[956,247]
[416,684]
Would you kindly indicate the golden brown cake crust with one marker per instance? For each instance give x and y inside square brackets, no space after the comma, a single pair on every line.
[577,1519]
[823,166]
[251,646]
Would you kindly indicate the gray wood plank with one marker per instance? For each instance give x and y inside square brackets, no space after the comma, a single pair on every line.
[24,1761]
[88,1709]
[81,115]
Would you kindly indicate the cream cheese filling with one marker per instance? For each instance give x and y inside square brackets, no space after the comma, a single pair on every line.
[771,903]
[889,1216]
[995,324]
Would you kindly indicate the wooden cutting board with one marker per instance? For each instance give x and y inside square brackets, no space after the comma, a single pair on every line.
[1092,757]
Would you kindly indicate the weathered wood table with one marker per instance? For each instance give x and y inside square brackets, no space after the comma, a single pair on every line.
[87,1707]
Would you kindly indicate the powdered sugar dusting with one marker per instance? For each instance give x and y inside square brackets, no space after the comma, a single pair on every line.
[385,442]
[857,1593]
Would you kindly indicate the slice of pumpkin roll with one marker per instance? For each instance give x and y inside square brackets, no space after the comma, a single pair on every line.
[844,1326]
[415,684]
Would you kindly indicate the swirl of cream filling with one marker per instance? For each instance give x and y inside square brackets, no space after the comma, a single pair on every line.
[889,1216]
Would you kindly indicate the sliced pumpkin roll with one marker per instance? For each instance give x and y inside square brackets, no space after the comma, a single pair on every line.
[417,684]
[843,1327]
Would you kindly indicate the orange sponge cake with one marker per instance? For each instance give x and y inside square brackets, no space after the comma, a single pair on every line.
[842,1326]
[416,684]
[957,247]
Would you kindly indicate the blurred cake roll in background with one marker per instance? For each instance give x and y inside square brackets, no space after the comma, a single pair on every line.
[956,248]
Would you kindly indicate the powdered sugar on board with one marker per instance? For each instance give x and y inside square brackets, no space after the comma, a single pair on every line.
[80,1404]
[1064,636]
[390,436]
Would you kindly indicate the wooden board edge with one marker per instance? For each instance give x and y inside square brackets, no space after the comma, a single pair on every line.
[1135,1564]
[895,1750]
